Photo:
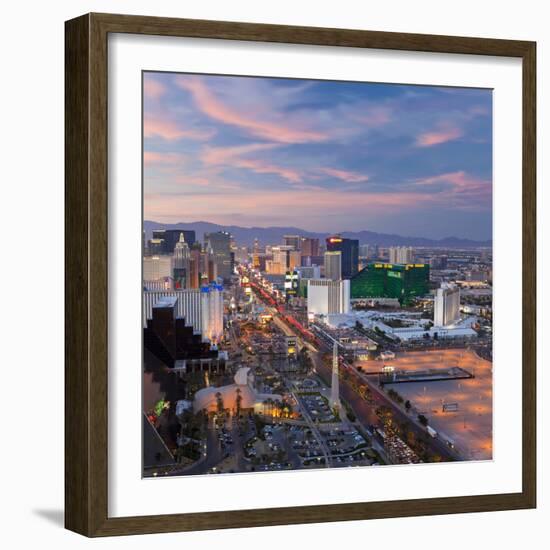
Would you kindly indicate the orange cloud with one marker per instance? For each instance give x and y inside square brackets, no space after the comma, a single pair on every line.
[428,139]
[345,175]
[211,106]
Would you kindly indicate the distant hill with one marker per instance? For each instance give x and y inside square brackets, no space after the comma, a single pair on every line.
[272,235]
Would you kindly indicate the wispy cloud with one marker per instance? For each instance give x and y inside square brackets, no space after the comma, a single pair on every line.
[325,153]
[345,175]
[325,205]
[213,107]
[160,158]
[436,137]
[460,188]
[221,155]
[168,129]
[237,157]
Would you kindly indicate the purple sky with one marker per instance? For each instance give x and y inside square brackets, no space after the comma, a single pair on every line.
[322,156]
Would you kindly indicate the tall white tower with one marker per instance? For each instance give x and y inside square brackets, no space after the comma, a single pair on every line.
[181,253]
[401,255]
[182,262]
[334,387]
[446,306]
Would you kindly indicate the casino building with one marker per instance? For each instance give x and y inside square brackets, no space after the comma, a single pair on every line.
[201,308]
[404,282]
[169,338]
[349,249]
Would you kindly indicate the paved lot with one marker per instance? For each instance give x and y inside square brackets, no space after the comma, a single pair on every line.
[470,426]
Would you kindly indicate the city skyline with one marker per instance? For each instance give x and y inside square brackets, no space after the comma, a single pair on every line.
[325,156]
[253,231]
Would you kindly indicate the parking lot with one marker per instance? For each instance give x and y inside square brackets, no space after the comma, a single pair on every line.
[317,407]
[347,447]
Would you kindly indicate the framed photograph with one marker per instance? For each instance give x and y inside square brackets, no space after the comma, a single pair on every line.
[299,275]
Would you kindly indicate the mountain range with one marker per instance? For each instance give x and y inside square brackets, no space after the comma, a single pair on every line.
[272,235]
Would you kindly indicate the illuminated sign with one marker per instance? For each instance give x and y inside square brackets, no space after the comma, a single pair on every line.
[265,318]
[291,345]
[291,283]
[161,406]
[335,240]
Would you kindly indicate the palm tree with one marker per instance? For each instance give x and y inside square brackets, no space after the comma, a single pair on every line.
[219,402]
[287,408]
[238,401]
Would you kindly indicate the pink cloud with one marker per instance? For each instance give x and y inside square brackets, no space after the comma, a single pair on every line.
[157,126]
[459,179]
[428,139]
[221,155]
[463,188]
[461,191]
[155,157]
[192,180]
[376,116]
[262,167]
[345,175]
[210,105]
[294,202]
[234,157]
[153,89]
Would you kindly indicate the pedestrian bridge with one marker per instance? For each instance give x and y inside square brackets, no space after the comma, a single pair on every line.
[427,375]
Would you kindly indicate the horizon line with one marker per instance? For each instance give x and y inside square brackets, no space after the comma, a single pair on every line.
[480,240]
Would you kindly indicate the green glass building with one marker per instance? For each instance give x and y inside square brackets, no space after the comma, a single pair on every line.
[402,281]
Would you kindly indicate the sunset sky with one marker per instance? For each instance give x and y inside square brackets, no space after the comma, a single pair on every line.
[318,155]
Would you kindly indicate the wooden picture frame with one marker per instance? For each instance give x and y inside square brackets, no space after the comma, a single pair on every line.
[86,280]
